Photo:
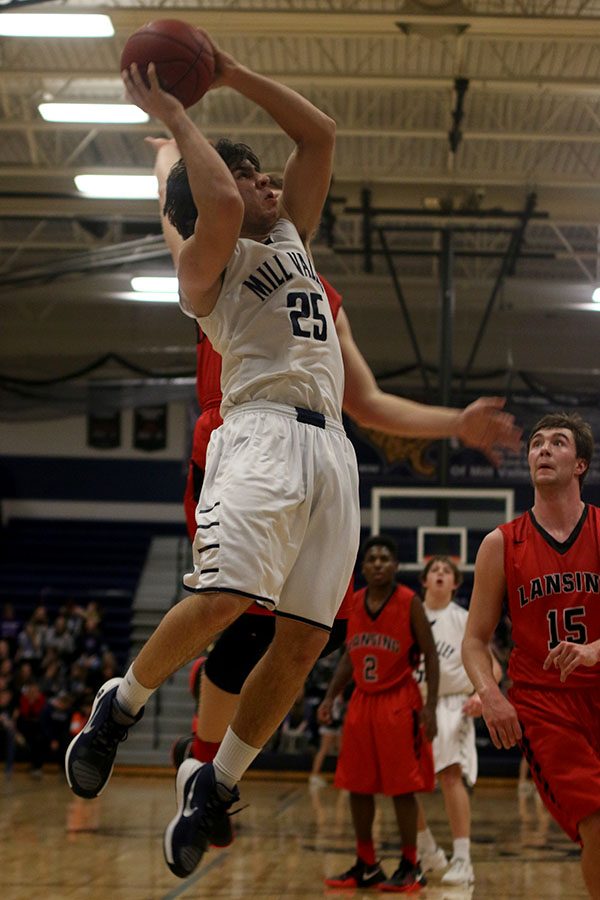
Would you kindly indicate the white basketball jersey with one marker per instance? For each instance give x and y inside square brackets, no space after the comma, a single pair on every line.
[272,325]
[448,627]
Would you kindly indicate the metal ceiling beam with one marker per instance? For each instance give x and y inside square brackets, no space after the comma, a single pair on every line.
[319,22]
[67,207]
[546,85]
[136,251]
[33,178]
[216,130]
[403,307]
[513,251]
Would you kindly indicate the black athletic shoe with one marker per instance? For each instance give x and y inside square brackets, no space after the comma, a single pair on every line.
[407,879]
[181,749]
[222,832]
[361,875]
[90,757]
[201,805]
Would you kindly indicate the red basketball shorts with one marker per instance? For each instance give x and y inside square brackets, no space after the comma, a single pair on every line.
[205,425]
[561,741]
[384,749]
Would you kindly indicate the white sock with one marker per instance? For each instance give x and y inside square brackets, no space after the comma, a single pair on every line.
[426,841]
[131,695]
[462,847]
[232,759]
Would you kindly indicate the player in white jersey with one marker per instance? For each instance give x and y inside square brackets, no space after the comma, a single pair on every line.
[454,749]
[281,473]
[282,380]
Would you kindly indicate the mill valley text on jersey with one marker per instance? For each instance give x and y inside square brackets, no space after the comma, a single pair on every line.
[274,272]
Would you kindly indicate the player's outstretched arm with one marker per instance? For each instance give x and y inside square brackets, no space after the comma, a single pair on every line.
[482,424]
[167,154]
[567,657]
[307,173]
[484,614]
[220,207]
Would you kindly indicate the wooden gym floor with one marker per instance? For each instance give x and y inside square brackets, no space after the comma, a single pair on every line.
[58,847]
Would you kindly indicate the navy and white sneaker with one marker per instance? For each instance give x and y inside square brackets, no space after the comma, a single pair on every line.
[202,803]
[90,757]
[222,830]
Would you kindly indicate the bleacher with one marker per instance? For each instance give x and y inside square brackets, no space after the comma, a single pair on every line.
[52,561]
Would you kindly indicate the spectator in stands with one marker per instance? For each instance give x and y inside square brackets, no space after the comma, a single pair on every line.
[74,616]
[30,648]
[39,620]
[91,649]
[80,714]
[7,671]
[39,616]
[10,626]
[55,723]
[5,650]
[60,638]
[94,610]
[22,674]
[9,736]
[6,666]
[77,682]
[91,646]
[31,704]
[53,677]
[110,667]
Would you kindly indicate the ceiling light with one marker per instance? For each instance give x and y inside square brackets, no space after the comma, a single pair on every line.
[118,187]
[53,25]
[596,295]
[155,284]
[151,297]
[92,112]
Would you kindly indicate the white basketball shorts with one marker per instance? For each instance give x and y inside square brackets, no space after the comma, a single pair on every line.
[278,520]
[455,739]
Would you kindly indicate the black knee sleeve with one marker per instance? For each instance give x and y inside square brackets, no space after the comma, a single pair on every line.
[237,650]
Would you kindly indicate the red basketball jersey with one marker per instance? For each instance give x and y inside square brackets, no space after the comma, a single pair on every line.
[553,594]
[334,297]
[381,647]
[208,373]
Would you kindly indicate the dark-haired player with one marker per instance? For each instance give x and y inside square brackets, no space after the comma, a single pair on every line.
[239,647]
[281,474]
[386,745]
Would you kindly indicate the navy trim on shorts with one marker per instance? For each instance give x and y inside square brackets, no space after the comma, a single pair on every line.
[285,615]
[308,417]
[210,525]
[207,547]
[210,508]
[226,590]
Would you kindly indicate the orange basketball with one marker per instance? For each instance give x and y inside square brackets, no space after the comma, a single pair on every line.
[184,58]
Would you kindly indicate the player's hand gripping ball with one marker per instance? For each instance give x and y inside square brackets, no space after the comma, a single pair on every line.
[182,54]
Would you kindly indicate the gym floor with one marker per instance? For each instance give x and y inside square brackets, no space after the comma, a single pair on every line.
[289,838]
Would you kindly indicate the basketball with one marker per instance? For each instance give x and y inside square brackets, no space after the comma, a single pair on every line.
[184,58]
